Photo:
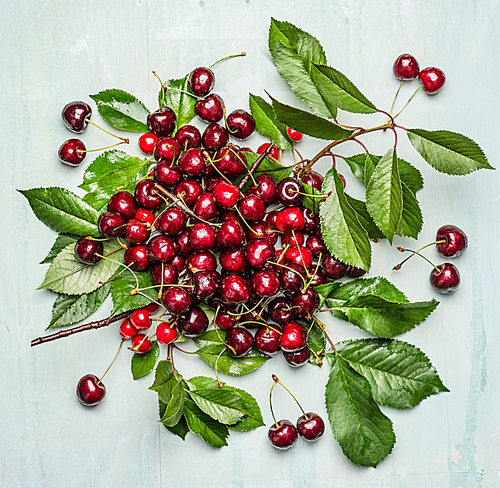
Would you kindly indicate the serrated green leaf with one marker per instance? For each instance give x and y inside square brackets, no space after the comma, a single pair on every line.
[109,171]
[180,429]
[62,240]
[210,338]
[327,288]
[201,424]
[123,284]
[368,169]
[267,166]
[340,91]
[400,374]
[448,152]
[364,218]
[178,100]
[69,276]
[316,342]
[165,380]
[384,199]
[378,286]
[143,364]
[384,318]
[364,433]
[63,211]
[267,124]
[293,52]
[225,406]
[342,232]
[312,198]
[411,221]
[175,407]
[122,110]
[70,309]
[308,123]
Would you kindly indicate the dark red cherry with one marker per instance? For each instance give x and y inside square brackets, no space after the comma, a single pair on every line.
[293,277]
[455,241]
[225,321]
[188,136]
[332,268]
[178,262]
[354,272]
[240,124]
[317,276]
[177,300]
[267,339]
[88,251]
[230,161]
[297,358]
[72,152]
[136,257]
[189,190]
[111,224]
[210,109]
[432,80]
[280,310]
[314,179]
[234,289]
[234,261]
[310,426]
[162,122]
[289,219]
[252,208]
[75,116]
[206,284]
[293,337]
[201,261]
[255,319]
[165,334]
[240,341]
[226,195]
[164,274]
[194,323]
[265,283]
[201,237]
[127,330]
[275,152]
[172,221]
[289,191]
[183,244]
[230,236]
[136,232]
[146,197]
[201,81]
[316,245]
[266,188]
[311,221]
[211,183]
[192,162]
[90,391]
[214,137]
[167,175]
[446,280]
[258,252]
[142,344]
[205,207]
[294,135]
[305,304]
[405,67]
[283,434]
[147,142]
[123,203]
[161,249]
[167,149]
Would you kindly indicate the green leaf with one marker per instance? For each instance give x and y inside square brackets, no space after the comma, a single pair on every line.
[293,52]
[384,318]
[143,364]
[70,309]
[209,429]
[342,232]
[364,218]
[340,91]
[165,380]
[267,166]
[308,123]
[175,407]
[314,201]
[267,124]
[327,288]
[69,276]
[122,110]
[109,171]
[400,374]
[223,405]
[378,286]
[384,198]
[122,285]
[180,429]
[368,169]
[411,221]
[63,211]
[316,342]
[181,103]
[448,152]
[61,242]
[364,433]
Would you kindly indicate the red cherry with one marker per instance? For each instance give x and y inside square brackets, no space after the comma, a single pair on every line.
[405,67]
[294,135]
[165,334]
[144,216]
[275,153]
[90,390]
[140,319]
[147,142]
[142,344]
[127,329]
[289,219]
[298,254]
[432,80]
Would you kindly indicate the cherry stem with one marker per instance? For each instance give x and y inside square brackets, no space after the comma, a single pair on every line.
[323,328]
[271,404]
[255,165]
[418,254]
[218,334]
[91,325]
[395,96]
[289,269]
[314,274]
[107,132]
[400,249]
[182,350]
[228,57]
[114,359]
[162,91]
[125,141]
[409,100]
[219,382]
[120,264]
[276,380]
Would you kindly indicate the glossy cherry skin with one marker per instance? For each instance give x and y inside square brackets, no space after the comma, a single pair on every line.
[205,207]
[111,224]
[161,249]
[283,435]
[314,179]
[178,262]
[136,257]
[210,109]
[317,276]
[75,115]
[315,245]
[294,337]
[142,344]
[234,261]
[88,251]
[206,284]
[167,149]
[294,135]
[190,190]
[165,334]
[298,358]
[295,239]
[177,300]
[305,304]
[266,188]
[252,208]
[167,175]
[72,152]
[289,191]
[146,197]
[432,80]
[280,310]
[172,221]
[310,426]
[265,283]
[147,142]
[226,195]
[145,216]
[162,122]
[455,241]
[230,236]
[127,330]
[200,261]
[258,252]
[188,136]
[274,154]
[140,319]
[254,320]
[332,268]
[136,232]
[241,124]
[89,391]
[234,289]
[214,137]
[192,162]
[240,341]
[194,323]
[354,272]
[201,237]
[230,161]
[405,67]
[289,219]
[123,203]
[311,221]
[164,274]
[267,339]
[225,321]
[201,81]
[298,254]
[446,280]
[262,230]
[293,277]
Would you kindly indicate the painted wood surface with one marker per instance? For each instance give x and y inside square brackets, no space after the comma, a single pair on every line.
[53,52]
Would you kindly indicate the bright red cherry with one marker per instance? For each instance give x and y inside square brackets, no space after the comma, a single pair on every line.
[289,219]
[432,80]
[144,216]
[165,334]
[136,258]
[226,195]
[167,149]
[72,152]
[142,344]
[405,67]
[147,142]
[90,390]
[140,319]
[275,152]
[294,337]
[294,135]
[127,329]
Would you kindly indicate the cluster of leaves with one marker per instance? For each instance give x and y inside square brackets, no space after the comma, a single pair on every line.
[364,373]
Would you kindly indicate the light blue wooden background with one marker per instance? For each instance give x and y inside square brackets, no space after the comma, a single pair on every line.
[56,51]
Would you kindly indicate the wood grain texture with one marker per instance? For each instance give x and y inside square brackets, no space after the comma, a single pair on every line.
[53,52]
